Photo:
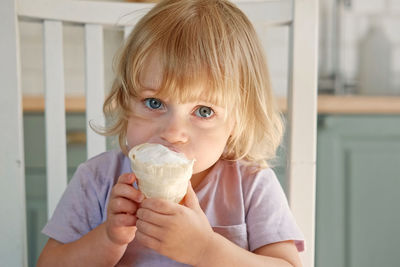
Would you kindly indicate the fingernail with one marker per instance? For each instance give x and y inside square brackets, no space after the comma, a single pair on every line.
[140,198]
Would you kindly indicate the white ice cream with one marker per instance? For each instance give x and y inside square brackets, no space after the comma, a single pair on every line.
[158,155]
[161,172]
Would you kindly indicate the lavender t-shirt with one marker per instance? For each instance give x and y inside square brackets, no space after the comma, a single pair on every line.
[247,207]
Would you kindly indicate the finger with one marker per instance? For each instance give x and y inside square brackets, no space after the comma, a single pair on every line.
[190,200]
[124,220]
[159,205]
[148,241]
[152,217]
[128,192]
[127,178]
[122,205]
[150,229]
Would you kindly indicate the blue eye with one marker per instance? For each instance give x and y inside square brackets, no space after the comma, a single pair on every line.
[153,103]
[204,112]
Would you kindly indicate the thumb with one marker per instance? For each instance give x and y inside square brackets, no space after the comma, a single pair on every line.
[190,200]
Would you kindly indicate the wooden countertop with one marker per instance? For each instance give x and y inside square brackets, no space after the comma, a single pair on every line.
[327,104]
[36,104]
[351,104]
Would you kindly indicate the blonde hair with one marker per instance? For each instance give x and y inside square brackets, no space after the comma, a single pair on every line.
[206,42]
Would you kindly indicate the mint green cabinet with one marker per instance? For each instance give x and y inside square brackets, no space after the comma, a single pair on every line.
[358,184]
[35,170]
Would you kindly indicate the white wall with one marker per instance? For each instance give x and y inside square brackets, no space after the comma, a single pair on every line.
[32,57]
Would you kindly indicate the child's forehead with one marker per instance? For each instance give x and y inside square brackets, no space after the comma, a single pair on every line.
[152,80]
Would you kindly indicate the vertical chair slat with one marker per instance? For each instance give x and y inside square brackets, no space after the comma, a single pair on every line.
[302,111]
[56,150]
[13,246]
[94,87]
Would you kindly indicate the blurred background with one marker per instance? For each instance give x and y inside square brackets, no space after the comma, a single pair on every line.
[358,151]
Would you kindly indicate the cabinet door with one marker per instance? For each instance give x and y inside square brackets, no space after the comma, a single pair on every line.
[35,170]
[358,183]
[35,174]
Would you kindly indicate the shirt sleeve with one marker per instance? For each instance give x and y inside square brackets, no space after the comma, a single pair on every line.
[79,209]
[268,216]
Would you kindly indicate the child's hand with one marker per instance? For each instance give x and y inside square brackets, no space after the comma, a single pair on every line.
[121,210]
[179,232]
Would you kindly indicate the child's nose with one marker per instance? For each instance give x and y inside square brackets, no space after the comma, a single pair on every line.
[174,130]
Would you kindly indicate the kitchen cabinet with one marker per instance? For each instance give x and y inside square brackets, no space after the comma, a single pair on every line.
[358,183]
[35,170]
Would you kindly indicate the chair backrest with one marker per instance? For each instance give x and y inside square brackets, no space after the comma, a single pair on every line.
[300,16]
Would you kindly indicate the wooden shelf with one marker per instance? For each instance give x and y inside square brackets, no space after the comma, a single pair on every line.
[327,104]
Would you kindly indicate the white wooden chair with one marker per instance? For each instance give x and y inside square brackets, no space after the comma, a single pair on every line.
[302,18]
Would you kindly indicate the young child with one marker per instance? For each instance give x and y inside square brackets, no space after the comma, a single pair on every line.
[193,77]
